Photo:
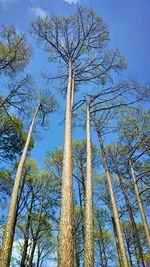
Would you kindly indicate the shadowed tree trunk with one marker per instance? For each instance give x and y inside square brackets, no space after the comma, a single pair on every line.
[145,224]
[116,237]
[81,210]
[66,242]
[36,236]
[77,256]
[10,225]
[122,250]
[26,235]
[131,218]
[89,239]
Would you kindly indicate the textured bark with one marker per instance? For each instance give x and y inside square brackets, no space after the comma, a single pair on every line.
[89,239]
[10,225]
[132,219]
[66,242]
[139,200]
[123,255]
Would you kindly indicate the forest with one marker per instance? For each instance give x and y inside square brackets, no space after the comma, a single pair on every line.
[88,204]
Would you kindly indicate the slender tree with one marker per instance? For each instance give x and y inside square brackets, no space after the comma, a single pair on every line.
[124,259]
[10,225]
[78,42]
[139,200]
[89,228]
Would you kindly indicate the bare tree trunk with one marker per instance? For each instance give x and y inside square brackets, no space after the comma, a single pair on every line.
[124,258]
[66,242]
[131,218]
[145,224]
[89,239]
[10,225]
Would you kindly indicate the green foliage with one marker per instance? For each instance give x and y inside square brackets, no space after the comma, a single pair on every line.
[12,137]
[14,51]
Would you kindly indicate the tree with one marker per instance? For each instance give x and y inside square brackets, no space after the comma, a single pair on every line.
[78,42]
[14,51]
[89,227]
[12,137]
[136,145]
[116,161]
[10,225]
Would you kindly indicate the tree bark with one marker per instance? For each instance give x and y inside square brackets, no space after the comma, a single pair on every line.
[10,225]
[123,255]
[139,200]
[66,242]
[89,238]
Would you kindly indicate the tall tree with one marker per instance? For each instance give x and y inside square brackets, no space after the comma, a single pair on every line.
[10,225]
[124,259]
[89,228]
[78,41]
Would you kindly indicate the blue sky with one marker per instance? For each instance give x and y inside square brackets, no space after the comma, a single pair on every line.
[129,25]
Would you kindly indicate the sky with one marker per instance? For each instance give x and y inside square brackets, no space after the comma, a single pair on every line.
[129,27]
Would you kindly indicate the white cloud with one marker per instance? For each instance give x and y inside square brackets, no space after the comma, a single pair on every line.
[39,12]
[72,1]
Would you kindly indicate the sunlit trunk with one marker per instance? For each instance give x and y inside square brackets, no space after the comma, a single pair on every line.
[123,255]
[66,242]
[89,239]
[10,225]
[145,224]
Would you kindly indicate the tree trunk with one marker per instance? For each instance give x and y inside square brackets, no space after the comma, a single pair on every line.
[81,210]
[10,225]
[35,237]
[128,249]
[103,245]
[116,237]
[66,242]
[89,239]
[124,258]
[131,218]
[145,224]
[77,257]
[26,236]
